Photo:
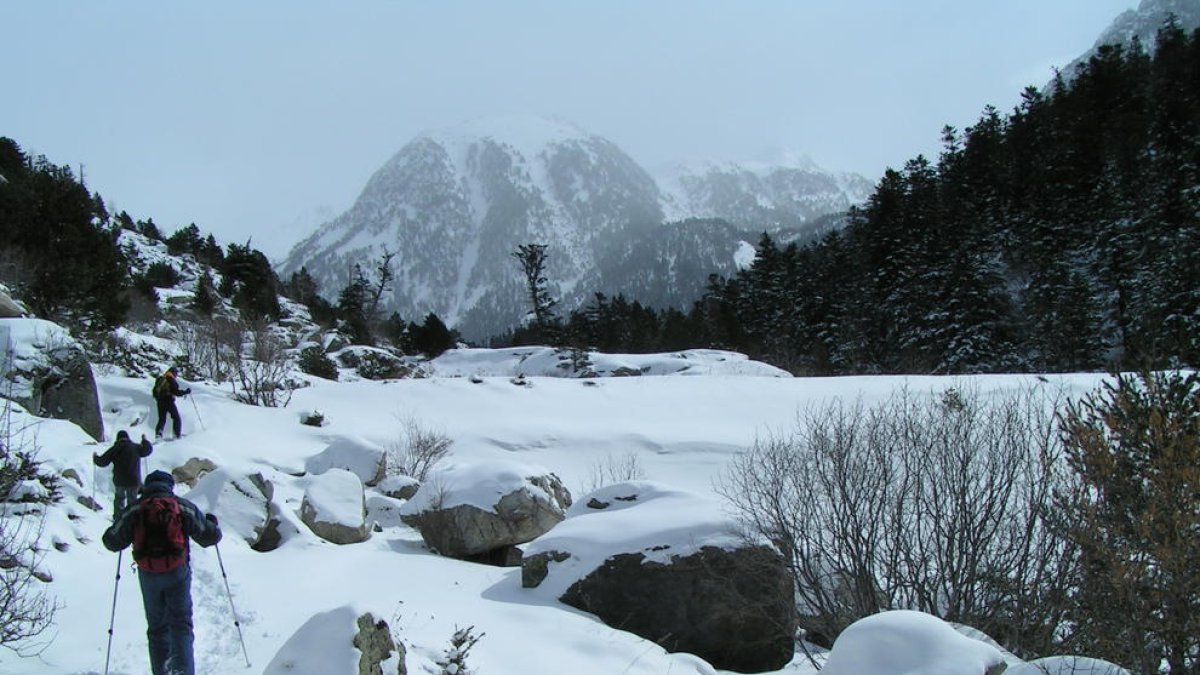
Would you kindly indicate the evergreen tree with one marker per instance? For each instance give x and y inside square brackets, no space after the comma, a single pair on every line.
[249,281]
[432,337]
[204,300]
[532,258]
[352,308]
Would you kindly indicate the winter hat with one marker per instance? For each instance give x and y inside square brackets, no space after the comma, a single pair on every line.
[161,476]
[122,435]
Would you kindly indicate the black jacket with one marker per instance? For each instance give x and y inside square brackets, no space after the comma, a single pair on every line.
[195,525]
[125,456]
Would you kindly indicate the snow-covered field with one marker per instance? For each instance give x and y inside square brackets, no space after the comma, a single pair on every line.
[684,428]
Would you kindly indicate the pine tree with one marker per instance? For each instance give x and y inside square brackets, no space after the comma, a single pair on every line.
[532,258]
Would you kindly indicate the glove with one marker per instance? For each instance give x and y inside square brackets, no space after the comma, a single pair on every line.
[143,438]
[211,518]
[185,392]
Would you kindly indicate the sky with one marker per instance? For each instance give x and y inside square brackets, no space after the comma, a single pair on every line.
[294,606]
[261,120]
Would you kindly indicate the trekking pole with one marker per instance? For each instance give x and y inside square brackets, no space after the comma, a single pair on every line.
[113,617]
[229,594]
[197,409]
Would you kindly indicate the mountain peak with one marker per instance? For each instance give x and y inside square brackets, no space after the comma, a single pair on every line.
[527,134]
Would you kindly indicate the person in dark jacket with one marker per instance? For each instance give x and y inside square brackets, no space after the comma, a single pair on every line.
[166,388]
[166,594]
[125,457]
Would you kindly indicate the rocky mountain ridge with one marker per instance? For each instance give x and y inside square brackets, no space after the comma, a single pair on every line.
[454,204]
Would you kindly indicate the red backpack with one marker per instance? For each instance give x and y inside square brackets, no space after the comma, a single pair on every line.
[159,542]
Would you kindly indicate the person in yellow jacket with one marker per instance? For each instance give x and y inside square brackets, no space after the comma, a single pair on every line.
[166,389]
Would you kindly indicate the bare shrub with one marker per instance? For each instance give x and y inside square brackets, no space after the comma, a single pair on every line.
[261,368]
[26,608]
[416,449]
[934,504]
[211,348]
[613,469]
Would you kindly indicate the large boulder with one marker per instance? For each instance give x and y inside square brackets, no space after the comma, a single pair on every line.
[342,640]
[904,642]
[49,373]
[361,457]
[334,507]
[668,565]
[243,505]
[8,308]
[472,511]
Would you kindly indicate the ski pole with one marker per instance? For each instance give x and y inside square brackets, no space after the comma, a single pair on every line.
[113,617]
[229,594]
[197,409]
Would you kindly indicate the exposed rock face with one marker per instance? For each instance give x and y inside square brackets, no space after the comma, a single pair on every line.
[374,641]
[732,608]
[472,532]
[50,376]
[334,507]
[192,470]
[668,564]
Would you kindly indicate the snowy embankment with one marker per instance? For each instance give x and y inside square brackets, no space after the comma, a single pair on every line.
[683,431]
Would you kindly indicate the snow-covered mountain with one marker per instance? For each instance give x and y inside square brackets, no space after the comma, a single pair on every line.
[1142,23]
[453,205]
[784,194]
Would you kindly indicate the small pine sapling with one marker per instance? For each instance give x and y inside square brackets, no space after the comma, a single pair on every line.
[454,661]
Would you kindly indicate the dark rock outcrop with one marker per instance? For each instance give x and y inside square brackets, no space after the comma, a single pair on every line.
[733,608]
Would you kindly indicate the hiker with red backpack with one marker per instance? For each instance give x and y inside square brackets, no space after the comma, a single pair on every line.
[125,457]
[165,389]
[159,526]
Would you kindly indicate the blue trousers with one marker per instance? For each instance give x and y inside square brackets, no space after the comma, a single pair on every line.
[167,598]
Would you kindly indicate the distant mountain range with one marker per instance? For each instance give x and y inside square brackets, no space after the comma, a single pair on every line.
[1142,23]
[455,204]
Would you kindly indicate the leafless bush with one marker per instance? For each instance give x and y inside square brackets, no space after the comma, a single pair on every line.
[416,449]
[935,504]
[26,608]
[261,368]
[212,348]
[612,469]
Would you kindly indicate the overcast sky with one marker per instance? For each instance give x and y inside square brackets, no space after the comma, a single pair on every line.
[257,118]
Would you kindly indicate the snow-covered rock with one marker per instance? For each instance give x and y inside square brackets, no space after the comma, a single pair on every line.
[467,510]
[1066,665]
[357,455]
[904,642]
[241,503]
[334,507]
[46,371]
[341,640]
[667,565]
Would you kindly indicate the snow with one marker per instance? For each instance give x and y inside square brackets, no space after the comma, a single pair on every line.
[336,496]
[643,517]
[479,483]
[294,603]
[356,455]
[25,344]
[908,643]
